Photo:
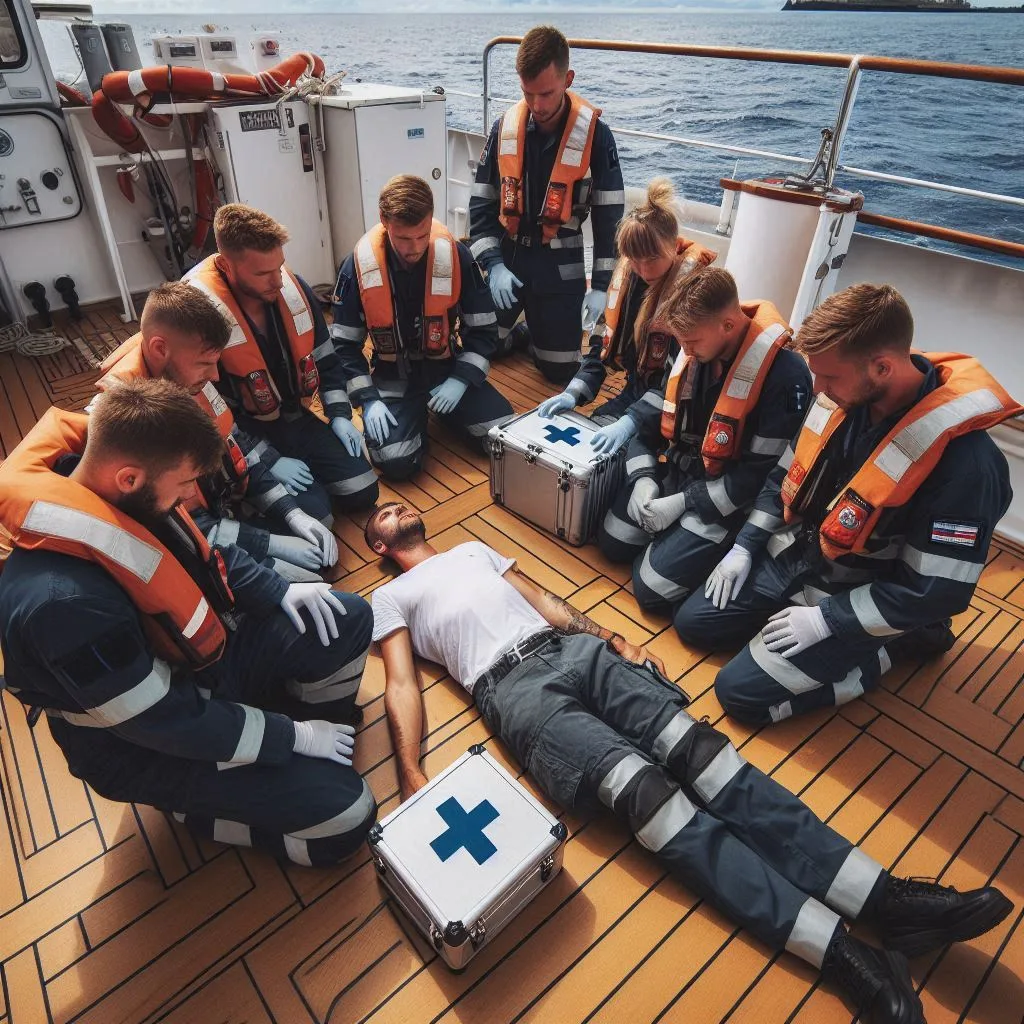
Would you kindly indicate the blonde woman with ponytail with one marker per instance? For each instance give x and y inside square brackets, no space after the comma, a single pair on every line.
[651,254]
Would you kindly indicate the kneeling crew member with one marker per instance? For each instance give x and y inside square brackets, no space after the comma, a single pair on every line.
[587,714]
[875,525]
[181,338]
[549,162]
[422,298]
[734,399]
[156,659]
[651,254]
[279,356]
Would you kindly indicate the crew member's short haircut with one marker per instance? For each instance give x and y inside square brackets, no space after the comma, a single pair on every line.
[860,321]
[542,46]
[177,306]
[692,298]
[156,424]
[238,227]
[406,199]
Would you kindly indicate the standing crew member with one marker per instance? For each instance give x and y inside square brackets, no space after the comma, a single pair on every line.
[156,659]
[181,337]
[588,716]
[279,356]
[873,529]
[733,400]
[548,163]
[430,318]
[651,254]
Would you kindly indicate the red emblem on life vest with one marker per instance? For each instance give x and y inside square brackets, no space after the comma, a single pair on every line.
[658,344]
[720,439]
[847,519]
[262,392]
[434,334]
[235,467]
[554,200]
[509,196]
[792,482]
[309,376]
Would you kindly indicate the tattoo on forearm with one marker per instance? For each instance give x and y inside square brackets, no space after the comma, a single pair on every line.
[570,620]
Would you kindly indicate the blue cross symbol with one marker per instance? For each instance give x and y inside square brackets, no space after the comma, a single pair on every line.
[465,830]
[570,435]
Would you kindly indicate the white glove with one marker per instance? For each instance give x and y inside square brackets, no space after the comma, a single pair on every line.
[296,550]
[556,404]
[320,601]
[643,491]
[660,513]
[593,306]
[729,576]
[325,740]
[794,629]
[302,524]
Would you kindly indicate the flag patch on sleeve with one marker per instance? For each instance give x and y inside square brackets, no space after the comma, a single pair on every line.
[951,531]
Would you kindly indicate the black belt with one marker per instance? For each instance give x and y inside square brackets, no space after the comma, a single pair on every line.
[517,654]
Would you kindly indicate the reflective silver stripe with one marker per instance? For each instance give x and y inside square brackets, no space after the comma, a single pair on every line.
[295,300]
[120,546]
[557,355]
[508,131]
[397,450]
[250,739]
[928,564]
[812,932]
[268,498]
[297,850]
[479,429]
[346,333]
[811,595]
[574,241]
[481,190]
[718,495]
[653,399]
[671,818]
[234,833]
[572,153]
[768,445]
[638,462]
[868,615]
[392,388]
[846,690]
[441,274]
[619,777]
[884,661]
[786,674]
[764,520]
[746,370]
[225,531]
[353,816]
[353,484]
[666,741]
[916,438]
[714,532]
[786,459]
[778,542]
[780,712]
[482,245]
[335,397]
[571,271]
[342,683]
[193,624]
[364,380]
[128,705]
[661,585]
[604,264]
[853,884]
[608,197]
[260,448]
[204,692]
[370,275]
[718,774]
[475,359]
[582,392]
[323,351]
[135,83]
[623,531]
[478,319]
[821,412]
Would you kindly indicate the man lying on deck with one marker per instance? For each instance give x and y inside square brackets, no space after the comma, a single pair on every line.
[589,715]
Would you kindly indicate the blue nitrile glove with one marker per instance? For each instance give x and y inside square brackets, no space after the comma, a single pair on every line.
[348,434]
[501,281]
[593,306]
[556,404]
[293,473]
[610,439]
[378,421]
[446,395]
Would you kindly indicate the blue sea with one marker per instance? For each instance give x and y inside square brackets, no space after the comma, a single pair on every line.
[963,133]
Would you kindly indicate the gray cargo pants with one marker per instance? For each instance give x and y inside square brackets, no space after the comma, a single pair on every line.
[592,728]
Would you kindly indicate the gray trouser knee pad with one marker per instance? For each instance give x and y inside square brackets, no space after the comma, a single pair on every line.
[695,751]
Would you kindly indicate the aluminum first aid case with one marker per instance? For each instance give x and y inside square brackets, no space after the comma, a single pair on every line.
[546,471]
[466,853]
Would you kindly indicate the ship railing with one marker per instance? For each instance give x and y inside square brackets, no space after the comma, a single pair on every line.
[855,65]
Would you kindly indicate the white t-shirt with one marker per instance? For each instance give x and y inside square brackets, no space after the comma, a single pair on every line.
[460,610]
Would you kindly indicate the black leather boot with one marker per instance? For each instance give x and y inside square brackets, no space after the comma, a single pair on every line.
[877,981]
[916,916]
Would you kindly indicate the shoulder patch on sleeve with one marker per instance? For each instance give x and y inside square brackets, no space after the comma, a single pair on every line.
[956,532]
[796,401]
[341,287]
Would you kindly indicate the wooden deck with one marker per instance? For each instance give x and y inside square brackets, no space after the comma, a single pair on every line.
[112,913]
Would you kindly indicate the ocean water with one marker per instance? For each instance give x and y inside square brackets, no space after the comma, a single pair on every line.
[968,134]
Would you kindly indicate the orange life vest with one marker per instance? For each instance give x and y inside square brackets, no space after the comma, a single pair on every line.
[443,288]
[40,509]
[766,336]
[652,351]
[127,362]
[242,358]
[572,164]
[968,398]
